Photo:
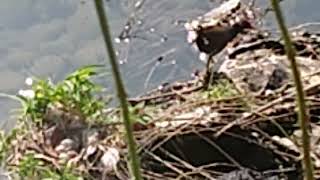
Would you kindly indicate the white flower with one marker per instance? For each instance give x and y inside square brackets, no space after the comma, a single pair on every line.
[29,93]
[29,81]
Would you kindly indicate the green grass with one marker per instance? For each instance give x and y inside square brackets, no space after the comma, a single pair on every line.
[221,89]
[77,92]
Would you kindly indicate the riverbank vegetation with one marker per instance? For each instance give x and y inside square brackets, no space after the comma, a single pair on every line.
[183,130]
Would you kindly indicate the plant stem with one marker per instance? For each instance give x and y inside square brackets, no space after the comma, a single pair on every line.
[135,165]
[303,117]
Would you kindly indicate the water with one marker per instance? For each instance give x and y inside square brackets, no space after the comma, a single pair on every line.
[52,38]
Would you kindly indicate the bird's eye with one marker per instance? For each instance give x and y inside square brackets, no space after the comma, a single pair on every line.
[205,41]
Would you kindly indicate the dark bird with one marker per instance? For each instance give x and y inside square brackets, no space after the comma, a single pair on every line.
[212,40]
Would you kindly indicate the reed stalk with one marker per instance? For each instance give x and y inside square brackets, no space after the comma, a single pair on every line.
[303,116]
[134,161]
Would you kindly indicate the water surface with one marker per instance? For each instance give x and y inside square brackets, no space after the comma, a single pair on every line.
[45,38]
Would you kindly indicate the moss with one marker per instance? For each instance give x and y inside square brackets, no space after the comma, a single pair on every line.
[223,88]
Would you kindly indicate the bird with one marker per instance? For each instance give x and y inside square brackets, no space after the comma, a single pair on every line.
[212,40]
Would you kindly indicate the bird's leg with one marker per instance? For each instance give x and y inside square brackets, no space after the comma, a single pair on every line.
[211,73]
[208,75]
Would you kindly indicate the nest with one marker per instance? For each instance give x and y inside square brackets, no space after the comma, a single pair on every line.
[187,138]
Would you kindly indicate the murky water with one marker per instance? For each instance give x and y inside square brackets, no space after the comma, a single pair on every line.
[52,38]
